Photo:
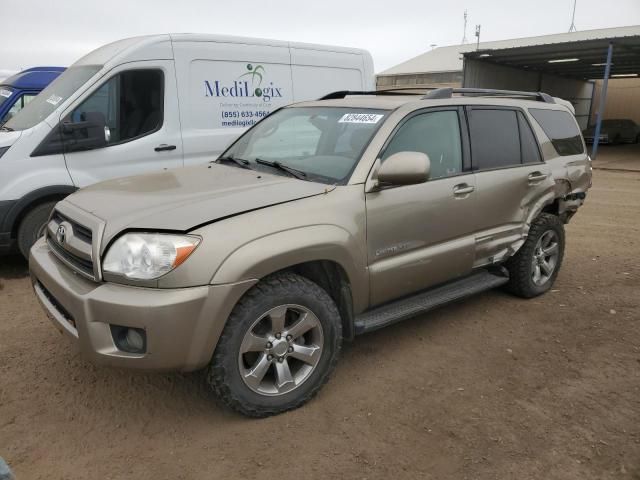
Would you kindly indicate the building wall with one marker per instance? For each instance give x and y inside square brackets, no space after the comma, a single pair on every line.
[623,99]
[419,80]
[483,74]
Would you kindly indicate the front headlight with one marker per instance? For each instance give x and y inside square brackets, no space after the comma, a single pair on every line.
[145,256]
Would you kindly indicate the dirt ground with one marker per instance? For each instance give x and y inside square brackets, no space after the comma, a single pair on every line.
[491,388]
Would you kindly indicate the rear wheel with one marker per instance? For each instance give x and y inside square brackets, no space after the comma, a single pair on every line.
[32,226]
[279,347]
[533,270]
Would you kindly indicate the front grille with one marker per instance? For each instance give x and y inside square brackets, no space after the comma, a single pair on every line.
[85,266]
[79,231]
[72,243]
[60,309]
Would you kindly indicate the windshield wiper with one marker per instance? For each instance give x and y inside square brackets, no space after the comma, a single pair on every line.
[280,166]
[238,161]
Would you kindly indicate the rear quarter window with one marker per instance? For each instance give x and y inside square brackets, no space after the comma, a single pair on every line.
[562,130]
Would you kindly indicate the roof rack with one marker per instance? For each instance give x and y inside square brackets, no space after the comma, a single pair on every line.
[439,93]
[396,91]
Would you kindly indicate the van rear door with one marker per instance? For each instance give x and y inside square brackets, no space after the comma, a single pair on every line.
[139,104]
[316,72]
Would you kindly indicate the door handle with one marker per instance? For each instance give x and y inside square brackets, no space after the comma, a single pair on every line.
[164,148]
[463,189]
[536,177]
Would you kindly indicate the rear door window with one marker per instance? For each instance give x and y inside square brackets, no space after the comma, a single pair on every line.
[495,138]
[528,142]
[562,130]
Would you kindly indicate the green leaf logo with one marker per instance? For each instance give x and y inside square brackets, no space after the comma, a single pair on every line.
[255,73]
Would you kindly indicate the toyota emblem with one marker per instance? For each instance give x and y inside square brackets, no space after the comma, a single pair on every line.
[61,234]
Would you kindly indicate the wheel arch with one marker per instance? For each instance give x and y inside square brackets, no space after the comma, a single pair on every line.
[30,200]
[321,253]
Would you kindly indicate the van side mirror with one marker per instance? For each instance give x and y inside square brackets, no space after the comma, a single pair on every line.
[89,133]
[404,168]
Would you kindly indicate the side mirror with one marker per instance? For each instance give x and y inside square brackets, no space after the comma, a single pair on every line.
[89,133]
[404,168]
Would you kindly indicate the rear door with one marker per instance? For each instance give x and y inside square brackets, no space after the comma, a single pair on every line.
[140,105]
[512,178]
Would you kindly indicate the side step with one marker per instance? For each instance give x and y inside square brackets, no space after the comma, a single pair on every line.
[419,303]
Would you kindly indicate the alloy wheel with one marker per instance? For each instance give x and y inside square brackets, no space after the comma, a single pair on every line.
[545,257]
[280,350]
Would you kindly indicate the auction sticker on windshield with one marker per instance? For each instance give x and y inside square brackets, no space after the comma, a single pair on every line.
[5,93]
[360,118]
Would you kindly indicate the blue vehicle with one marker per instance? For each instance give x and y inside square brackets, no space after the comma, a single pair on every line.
[19,89]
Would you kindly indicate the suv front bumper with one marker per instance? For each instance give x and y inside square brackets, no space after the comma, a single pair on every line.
[182,326]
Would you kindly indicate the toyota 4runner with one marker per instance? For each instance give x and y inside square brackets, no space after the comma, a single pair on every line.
[325,220]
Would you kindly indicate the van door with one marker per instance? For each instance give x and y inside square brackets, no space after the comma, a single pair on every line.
[139,105]
[225,88]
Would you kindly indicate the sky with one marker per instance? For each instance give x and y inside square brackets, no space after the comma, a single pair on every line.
[45,32]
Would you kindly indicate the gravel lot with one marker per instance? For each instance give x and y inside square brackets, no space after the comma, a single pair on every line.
[493,387]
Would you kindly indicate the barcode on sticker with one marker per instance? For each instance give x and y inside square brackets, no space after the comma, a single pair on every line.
[54,99]
[5,93]
[360,118]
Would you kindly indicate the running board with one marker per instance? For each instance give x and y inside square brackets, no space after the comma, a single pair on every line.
[424,301]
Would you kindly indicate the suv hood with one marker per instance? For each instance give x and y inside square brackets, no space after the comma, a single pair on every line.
[185,198]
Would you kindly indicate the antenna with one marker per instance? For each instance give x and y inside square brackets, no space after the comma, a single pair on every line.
[464,34]
[572,28]
[478,36]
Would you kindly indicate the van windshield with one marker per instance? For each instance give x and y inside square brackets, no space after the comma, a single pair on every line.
[325,143]
[51,97]
[6,93]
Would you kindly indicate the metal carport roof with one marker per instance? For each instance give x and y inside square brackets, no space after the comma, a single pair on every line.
[582,59]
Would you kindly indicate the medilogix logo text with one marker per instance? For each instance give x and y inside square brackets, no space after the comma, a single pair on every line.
[244,88]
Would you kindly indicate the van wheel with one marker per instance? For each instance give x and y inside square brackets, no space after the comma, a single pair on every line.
[534,268]
[278,348]
[32,226]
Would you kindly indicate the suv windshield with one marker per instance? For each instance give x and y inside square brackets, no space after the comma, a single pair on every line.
[322,142]
[51,97]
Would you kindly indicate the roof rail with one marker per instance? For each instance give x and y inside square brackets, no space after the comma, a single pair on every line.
[487,92]
[396,91]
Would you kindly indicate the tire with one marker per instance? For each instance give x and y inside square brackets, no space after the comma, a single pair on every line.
[32,226]
[522,266]
[258,312]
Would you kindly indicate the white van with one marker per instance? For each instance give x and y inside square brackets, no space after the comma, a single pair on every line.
[150,103]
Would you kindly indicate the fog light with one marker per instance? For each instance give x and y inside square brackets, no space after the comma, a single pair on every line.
[129,339]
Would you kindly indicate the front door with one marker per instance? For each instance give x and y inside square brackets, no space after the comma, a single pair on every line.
[139,104]
[422,235]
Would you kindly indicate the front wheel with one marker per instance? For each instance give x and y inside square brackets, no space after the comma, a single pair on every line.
[279,347]
[534,268]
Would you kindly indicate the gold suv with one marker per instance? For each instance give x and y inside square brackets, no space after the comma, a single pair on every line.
[325,220]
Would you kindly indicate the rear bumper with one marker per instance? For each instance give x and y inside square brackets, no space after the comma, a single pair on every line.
[182,326]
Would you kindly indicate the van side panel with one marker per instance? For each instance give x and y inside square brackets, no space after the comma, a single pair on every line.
[224,88]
